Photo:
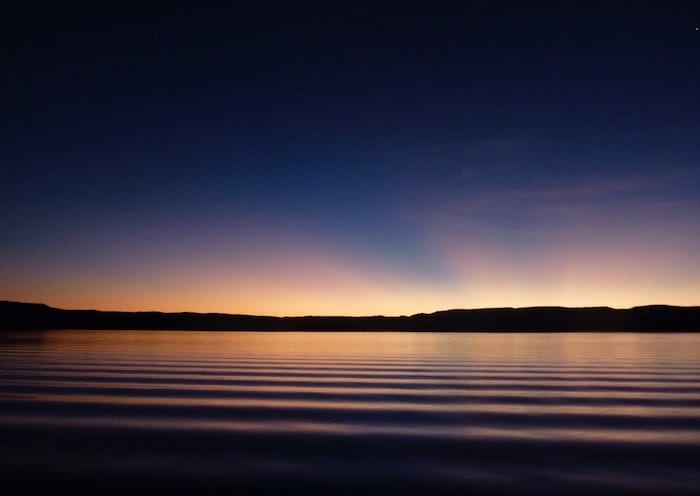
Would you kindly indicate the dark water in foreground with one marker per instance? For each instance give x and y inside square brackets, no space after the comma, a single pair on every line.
[349,413]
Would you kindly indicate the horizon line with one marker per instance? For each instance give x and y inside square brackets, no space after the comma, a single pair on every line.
[534,307]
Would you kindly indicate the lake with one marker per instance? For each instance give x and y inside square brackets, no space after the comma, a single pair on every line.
[349,413]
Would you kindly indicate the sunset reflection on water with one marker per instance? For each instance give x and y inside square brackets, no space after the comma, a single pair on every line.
[292,405]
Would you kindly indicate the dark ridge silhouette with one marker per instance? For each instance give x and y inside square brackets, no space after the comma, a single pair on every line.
[653,318]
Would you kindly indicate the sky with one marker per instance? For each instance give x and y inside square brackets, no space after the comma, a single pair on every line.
[299,158]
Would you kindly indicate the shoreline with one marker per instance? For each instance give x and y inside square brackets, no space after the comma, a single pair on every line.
[16,316]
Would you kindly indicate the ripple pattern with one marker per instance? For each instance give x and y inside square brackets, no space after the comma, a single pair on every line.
[350,413]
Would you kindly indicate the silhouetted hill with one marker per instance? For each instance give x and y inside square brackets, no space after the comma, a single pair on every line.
[15,315]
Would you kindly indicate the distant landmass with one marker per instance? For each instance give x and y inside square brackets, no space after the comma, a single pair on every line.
[653,318]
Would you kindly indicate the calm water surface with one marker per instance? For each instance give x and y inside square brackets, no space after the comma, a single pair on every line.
[350,413]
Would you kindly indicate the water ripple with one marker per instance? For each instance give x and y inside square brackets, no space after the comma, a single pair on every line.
[354,413]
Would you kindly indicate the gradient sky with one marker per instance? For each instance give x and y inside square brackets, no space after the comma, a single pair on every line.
[299,158]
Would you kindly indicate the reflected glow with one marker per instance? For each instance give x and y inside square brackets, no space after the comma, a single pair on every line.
[515,353]
[294,395]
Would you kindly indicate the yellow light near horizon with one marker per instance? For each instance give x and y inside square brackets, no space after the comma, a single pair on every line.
[369,299]
[310,281]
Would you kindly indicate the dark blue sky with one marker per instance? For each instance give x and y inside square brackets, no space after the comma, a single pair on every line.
[305,158]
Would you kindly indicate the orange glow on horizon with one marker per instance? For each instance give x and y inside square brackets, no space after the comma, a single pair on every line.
[285,277]
[316,285]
